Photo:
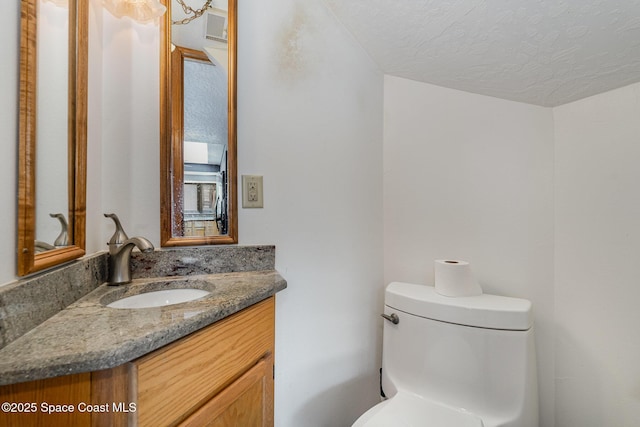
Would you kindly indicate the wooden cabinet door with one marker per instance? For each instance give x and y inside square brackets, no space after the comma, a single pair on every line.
[175,381]
[247,402]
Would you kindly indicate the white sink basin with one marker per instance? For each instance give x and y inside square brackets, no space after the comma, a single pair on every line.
[159,298]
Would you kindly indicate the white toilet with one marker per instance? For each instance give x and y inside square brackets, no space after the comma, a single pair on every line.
[455,362]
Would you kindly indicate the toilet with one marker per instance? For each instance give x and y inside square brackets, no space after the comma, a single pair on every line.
[455,361]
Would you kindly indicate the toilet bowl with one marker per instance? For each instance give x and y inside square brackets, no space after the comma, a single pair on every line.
[455,362]
[408,410]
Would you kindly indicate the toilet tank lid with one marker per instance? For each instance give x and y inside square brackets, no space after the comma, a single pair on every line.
[483,311]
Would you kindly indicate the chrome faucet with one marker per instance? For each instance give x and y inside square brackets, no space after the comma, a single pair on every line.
[120,247]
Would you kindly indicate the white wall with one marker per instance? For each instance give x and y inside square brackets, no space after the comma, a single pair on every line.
[471,177]
[130,129]
[310,121]
[9,70]
[597,244]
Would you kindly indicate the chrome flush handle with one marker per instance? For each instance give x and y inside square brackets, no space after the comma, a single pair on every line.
[393,318]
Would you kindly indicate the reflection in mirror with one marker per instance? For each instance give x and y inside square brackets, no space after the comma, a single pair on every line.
[204,144]
[60,241]
[52,159]
[52,109]
[198,116]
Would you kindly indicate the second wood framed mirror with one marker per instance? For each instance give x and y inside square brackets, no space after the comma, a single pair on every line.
[198,169]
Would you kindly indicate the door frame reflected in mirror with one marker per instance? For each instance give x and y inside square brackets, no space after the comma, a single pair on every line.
[28,261]
[171,141]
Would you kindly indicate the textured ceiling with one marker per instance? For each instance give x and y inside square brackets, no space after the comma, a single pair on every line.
[544,52]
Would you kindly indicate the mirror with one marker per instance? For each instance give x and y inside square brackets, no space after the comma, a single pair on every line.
[198,123]
[52,133]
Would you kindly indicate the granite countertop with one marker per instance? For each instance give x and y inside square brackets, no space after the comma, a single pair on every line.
[88,336]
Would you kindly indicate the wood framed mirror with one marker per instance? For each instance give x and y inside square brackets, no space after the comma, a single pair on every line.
[198,166]
[52,133]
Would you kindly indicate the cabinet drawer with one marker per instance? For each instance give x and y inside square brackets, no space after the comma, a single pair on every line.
[171,383]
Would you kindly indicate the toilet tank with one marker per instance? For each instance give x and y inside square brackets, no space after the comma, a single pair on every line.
[475,353]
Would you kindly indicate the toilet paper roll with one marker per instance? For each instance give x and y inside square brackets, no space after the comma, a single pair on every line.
[454,278]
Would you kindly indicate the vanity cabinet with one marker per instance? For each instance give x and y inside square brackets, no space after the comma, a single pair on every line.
[221,375]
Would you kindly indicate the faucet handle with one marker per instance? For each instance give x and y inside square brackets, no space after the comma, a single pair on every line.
[119,236]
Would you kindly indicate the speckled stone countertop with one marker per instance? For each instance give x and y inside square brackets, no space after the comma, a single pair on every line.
[88,336]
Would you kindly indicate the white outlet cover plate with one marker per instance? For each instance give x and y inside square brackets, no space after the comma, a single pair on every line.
[252,195]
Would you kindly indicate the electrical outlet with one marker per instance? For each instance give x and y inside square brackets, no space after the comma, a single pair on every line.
[252,191]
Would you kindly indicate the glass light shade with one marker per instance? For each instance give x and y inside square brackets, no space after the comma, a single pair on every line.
[60,3]
[139,10]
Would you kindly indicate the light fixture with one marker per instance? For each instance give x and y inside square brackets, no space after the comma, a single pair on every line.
[138,10]
[59,3]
